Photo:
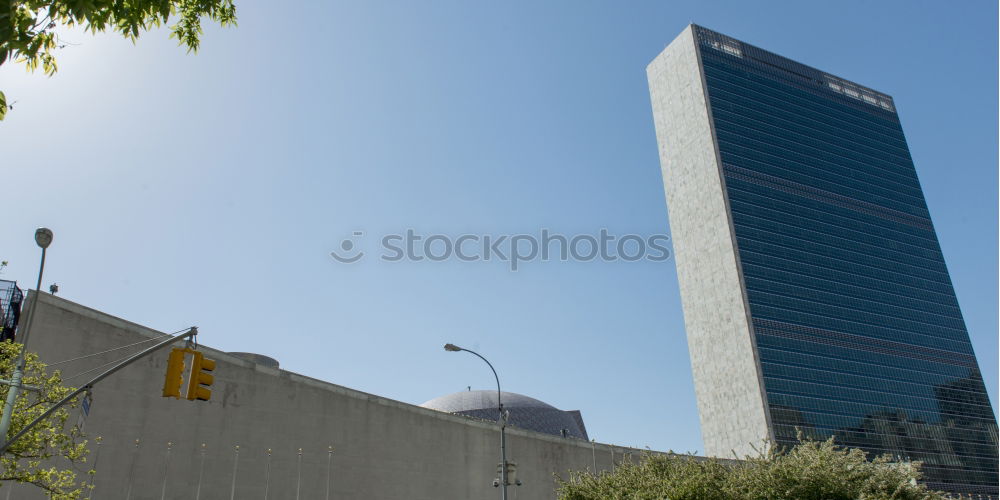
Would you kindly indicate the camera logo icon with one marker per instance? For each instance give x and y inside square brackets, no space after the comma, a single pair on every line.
[348,255]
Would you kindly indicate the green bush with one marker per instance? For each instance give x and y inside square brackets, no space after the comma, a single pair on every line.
[812,470]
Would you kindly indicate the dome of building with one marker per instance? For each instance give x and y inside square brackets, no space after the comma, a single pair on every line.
[526,413]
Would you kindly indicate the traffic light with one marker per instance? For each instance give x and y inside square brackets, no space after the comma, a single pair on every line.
[175,374]
[199,380]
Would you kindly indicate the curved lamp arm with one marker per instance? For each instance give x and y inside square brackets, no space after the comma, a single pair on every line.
[455,348]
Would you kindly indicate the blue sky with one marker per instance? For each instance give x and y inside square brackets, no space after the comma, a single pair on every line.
[209,189]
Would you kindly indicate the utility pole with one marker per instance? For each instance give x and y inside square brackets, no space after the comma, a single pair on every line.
[43,237]
[502,420]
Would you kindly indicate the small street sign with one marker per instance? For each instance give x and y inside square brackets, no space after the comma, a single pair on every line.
[85,405]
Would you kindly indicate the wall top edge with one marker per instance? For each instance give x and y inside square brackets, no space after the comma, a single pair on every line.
[81,310]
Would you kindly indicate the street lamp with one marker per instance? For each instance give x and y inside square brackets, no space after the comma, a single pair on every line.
[502,421]
[43,237]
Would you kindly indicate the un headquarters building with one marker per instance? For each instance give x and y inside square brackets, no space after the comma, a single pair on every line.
[816,298]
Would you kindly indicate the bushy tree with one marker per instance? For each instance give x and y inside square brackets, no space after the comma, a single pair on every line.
[812,470]
[28,27]
[45,456]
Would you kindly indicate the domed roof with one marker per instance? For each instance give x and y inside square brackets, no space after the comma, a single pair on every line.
[525,412]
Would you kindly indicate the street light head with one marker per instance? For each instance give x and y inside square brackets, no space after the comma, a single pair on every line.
[43,237]
[452,348]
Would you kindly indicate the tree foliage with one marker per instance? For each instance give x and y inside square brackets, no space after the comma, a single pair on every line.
[46,455]
[28,27]
[812,470]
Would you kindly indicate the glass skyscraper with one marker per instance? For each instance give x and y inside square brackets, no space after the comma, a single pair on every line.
[816,298]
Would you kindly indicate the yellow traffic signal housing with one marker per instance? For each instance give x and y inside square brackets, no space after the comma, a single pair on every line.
[175,374]
[199,380]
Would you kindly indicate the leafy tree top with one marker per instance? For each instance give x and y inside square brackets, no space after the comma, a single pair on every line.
[28,27]
[31,459]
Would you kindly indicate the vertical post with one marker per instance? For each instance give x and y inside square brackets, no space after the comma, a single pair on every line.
[593,453]
[503,456]
[502,420]
[267,474]
[201,473]
[329,460]
[131,471]
[43,237]
[166,472]
[97,456]
[236,467]
[298,480]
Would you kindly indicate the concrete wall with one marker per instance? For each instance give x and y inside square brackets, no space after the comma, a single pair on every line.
[384,449]
[723,358]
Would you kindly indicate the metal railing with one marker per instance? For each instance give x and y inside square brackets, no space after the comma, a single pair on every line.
[11,298]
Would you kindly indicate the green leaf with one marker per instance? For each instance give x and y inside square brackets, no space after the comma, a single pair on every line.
[3,106]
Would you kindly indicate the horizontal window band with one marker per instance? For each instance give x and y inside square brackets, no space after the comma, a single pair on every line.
[860,340]
[826,196]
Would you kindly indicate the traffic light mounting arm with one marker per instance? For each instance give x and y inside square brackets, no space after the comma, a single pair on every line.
[188,334]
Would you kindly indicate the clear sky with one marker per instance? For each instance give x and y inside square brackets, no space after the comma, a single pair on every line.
[209,189]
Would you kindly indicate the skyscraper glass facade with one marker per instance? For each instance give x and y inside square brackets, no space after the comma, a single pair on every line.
[857,328]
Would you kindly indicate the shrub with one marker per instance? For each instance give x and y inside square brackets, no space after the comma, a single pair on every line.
[812,470]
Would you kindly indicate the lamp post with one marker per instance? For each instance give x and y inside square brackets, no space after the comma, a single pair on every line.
[43,237]
[502,421]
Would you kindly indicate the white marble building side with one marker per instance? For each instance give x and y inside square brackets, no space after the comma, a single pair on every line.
[727,382]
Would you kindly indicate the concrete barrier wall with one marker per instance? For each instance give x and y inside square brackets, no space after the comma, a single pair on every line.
[383,449]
